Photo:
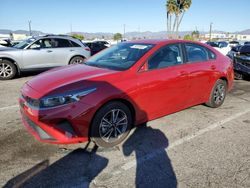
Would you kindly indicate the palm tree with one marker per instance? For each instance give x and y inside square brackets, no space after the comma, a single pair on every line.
[177,8]
[171,9]
[184,6]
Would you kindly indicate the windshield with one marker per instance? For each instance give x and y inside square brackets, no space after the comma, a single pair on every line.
[24,43]
[213,44]
[119,57]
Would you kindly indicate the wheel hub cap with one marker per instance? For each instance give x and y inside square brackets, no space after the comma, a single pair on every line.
[77,61]
[5,70]
[113,125]
[219,94]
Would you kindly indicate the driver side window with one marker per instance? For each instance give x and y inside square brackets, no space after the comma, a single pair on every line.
[42,43]
[36,45]
[167,56]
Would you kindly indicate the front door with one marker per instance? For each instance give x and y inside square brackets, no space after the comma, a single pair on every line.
[163,87]
[39,55]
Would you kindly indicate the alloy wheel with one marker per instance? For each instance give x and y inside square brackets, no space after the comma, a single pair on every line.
[5,70]
[219,94]
[113,125]
[77,61]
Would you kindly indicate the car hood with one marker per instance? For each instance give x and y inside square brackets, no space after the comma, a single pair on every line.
[57,78]
[8,49]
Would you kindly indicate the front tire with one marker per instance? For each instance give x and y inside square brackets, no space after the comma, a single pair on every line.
[218,94]
[111,124]
[76,60]
[7,70]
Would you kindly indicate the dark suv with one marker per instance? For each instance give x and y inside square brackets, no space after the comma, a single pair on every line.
[241,59]
[96,46]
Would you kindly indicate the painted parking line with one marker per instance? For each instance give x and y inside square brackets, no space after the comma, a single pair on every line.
[8,107]
[134,162]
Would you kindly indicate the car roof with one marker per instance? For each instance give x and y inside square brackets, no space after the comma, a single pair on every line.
[67,37]
[53,36]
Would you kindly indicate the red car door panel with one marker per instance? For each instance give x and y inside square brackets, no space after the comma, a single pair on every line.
[201,66]
[163,91]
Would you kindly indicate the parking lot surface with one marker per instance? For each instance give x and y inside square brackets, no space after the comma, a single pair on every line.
[197,147]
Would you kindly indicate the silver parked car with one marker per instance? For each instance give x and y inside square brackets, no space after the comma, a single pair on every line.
[41,53]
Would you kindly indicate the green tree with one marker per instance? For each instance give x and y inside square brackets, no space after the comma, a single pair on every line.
[78,36]
[176,9]
[195,34]
[188,37]
[117,36]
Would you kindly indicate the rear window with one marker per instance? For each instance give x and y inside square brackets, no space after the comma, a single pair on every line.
[61,43]
[196,53]
[74,44]
[213,44]
[223,44]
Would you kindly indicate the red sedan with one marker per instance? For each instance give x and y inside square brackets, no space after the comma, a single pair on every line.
[122,86]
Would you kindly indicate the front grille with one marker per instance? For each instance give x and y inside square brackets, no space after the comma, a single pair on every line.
[243,62]
[42,134]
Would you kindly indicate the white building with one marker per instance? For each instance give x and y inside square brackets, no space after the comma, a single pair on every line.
[216,36]
[228,36]
[243,37]
[4,36]
[18,36]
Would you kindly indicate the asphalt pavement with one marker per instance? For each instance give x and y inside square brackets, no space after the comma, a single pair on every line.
[196,147]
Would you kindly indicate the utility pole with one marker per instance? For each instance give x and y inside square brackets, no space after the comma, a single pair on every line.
[210,31]
[124,30]
[30,27]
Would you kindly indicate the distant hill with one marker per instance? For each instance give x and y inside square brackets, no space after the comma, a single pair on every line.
[93,35]
[128,35]
[7,31]
[245,32]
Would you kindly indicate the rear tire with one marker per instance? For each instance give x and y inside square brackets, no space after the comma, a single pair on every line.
[111,124]
[7,70]
[76,60]
[218,94]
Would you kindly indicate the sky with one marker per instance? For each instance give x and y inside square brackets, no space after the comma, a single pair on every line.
[62,16]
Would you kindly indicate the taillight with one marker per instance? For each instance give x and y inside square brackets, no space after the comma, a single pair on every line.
[87,49]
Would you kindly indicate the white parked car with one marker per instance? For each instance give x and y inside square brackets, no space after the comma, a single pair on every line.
[222,46]
[40,53]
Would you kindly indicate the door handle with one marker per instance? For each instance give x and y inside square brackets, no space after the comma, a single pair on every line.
[183,73]
[213,67]
[72,50]
[49,51]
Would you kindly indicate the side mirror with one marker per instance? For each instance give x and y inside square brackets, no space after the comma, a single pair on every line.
[144,67]
[35,47]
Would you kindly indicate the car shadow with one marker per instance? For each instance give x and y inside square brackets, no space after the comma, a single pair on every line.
[29,73]
[76,169]
[153,166]
[81,166]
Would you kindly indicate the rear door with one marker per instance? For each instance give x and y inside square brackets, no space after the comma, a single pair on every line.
[201,65]
[164,86]
[63,50]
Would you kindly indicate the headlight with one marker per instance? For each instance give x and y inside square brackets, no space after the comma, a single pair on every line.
[69,97]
